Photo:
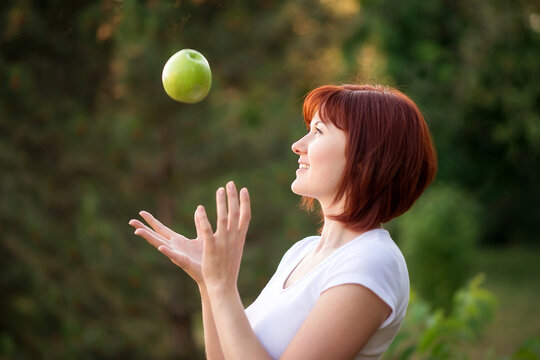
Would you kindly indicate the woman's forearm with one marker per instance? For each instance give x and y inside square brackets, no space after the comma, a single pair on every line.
[212,346]
[237,339]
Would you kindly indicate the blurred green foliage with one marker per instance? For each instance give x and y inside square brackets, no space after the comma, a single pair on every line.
[88,138]
[438,237]
[530,350]
[432,334]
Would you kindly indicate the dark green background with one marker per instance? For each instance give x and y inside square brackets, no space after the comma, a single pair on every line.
[88,138]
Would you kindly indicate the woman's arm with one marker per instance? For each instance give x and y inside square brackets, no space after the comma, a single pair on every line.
[340,324]
[221,258]
[212,346]
[237,339]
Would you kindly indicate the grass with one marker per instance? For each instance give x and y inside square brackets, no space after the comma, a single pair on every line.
[513,275]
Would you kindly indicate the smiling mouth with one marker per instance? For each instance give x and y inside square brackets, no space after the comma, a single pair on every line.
[303,166]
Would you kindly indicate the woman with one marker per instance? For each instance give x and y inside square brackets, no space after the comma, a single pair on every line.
[366,158]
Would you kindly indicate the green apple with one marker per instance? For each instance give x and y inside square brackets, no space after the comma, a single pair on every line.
[187,77]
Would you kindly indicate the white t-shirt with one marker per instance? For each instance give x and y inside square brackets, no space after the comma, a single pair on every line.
[371,259]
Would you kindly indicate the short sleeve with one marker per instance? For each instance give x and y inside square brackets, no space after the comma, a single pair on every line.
[373,266]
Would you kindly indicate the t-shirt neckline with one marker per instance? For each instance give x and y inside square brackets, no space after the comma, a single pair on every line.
[308,249]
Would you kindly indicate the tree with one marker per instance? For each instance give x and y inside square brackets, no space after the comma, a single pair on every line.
[473,70]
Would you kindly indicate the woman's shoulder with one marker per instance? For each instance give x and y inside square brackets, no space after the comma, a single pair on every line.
[374,261]
[376,241]
[373,253]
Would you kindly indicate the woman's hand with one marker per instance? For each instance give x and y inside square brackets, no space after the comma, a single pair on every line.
[211,258]
[184,252]
[222,250]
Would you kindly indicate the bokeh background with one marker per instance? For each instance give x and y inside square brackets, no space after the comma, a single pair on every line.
[88,138]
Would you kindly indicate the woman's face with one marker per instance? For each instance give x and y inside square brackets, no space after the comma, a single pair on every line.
[321,162]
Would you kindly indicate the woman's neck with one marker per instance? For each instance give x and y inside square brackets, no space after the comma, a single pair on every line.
[334,234]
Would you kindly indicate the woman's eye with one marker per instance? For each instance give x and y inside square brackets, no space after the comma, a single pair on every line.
[317,131]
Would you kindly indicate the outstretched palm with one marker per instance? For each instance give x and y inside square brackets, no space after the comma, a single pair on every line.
[184,252]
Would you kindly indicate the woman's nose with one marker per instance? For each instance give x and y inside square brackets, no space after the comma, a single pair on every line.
[298,147]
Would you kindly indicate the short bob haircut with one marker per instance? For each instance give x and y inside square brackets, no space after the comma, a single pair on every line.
[390,157]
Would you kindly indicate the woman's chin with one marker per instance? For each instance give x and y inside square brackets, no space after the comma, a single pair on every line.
[294,187]
[297,188]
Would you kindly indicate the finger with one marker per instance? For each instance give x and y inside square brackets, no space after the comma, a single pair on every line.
[204,227]
[150,237]
[245,212]
[234,210]
[179,259]
[156,225]
[139,225]
[221,207]
[197,224]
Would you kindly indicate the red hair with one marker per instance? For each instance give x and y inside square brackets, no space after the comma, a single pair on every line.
[390,157]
